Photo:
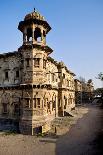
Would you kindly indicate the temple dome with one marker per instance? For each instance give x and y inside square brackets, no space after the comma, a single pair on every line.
[34,18]
[34,15]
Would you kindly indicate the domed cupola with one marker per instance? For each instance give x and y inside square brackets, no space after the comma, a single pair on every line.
[34,29]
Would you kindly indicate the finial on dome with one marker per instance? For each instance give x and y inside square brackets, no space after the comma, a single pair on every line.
[34,9]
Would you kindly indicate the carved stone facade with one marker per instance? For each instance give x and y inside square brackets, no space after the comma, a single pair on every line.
[34,88]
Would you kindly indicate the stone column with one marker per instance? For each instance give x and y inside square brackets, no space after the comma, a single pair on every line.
[62,105]
[42,38]
[41,62]
[24,37]
[56,106]
[51,104]
[33,33]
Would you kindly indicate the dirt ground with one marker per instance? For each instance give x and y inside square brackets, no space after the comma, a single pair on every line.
[78,135]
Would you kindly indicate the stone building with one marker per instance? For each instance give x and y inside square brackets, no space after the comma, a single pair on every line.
[78,91]
[83,91]
[34,88]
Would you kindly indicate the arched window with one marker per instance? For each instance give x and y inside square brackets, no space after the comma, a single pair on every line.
[5,108]
[5,99]
[37,34]
[27,102]
[6,74]
[29,34]
[44,63]
[27,62]
[36,62]
[16,109]
[37,102]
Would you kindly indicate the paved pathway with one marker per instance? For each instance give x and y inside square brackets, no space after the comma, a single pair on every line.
[85,137]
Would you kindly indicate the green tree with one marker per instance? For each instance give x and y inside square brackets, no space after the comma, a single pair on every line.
[89,81]
[98,91]
[100,76]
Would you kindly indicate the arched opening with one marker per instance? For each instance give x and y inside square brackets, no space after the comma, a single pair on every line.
[5,108]
[37,130]
[37,34]
[29,34]
[53,102]
[16,109]
[44,37]
[5,102]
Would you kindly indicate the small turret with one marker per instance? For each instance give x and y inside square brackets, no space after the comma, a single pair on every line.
[34,29]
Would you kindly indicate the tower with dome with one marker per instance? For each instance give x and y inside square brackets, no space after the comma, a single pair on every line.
[34,88]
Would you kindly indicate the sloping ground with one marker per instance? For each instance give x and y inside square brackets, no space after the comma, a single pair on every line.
[63,124]
[95,101]
[85,137]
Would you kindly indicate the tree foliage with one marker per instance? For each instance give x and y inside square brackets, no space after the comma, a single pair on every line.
[98,91]
[89,81]
[100,76]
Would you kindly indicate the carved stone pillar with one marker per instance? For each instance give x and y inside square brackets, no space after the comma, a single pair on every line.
[32,33]
[42,35]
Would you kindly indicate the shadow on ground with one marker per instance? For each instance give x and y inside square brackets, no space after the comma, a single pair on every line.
[85,137]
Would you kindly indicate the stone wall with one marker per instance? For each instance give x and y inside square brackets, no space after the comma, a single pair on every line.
[52,73]
[9,66]
[10,108]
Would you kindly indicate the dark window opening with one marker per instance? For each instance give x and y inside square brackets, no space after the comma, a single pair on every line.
[6,75]
[44,63]
[59,103]
[67,83]
[17,74]
[29,34]
[27,62]
[36,62]
[37,34]
[65,102]
[27,105]
[53,104]
[59,76]
[37,130]
[63,76]
[48,105]
[36,102]
[22,61]
[44,102]
[16,109]
[5,108]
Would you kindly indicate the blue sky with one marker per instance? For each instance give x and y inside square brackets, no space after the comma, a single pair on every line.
[76,36]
